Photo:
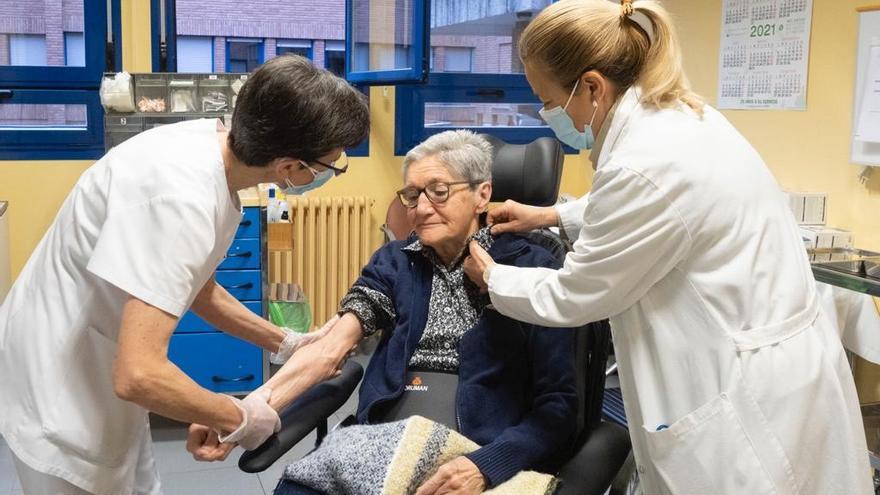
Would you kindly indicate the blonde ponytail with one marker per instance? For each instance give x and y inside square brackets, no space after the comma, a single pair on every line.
[633,43]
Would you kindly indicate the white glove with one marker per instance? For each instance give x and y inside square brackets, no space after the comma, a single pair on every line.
[293,340]
[259,420]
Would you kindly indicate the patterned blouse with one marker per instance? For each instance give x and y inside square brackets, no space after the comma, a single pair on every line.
[454,308]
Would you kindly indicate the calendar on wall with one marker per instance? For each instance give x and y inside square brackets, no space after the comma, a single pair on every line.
[765,50]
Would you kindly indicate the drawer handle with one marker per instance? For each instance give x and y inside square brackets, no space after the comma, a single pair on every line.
[243,254]
[222,379]
[239,286]
[245,223]
[5,93]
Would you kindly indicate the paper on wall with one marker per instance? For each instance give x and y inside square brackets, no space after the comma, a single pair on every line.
[765,50]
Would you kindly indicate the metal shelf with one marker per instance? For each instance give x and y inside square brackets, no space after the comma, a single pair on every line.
[847,281]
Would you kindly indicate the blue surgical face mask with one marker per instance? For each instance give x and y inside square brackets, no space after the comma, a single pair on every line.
[320,178]
[564,128]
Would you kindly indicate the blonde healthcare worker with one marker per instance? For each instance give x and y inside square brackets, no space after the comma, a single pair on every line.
[84,331]
[733,378]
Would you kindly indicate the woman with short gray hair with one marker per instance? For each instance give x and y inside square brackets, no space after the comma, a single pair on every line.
[512,385]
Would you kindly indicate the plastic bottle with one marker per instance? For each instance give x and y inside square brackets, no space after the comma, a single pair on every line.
[273,207]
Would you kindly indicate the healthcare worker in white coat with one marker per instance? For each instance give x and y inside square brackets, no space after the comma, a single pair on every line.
[733,377]
[84,332]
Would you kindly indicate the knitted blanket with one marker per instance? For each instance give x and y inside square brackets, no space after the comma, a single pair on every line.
[395,459]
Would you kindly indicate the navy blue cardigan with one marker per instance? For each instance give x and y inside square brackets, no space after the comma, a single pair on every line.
[516,395]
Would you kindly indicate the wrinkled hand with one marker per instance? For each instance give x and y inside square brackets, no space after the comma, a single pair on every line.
[511,216]
[204,445]
[293,341]
[476,264]
[459,476]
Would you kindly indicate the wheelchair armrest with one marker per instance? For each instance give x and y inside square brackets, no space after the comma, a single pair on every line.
[302,416]
[601,456]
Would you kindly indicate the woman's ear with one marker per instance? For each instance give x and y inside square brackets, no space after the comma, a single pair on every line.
[286,168]
[484,192]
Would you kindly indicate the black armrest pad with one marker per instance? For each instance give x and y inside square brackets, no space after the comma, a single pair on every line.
[593,468]
[302,416]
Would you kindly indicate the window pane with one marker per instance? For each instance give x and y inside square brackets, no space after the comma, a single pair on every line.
[382,32]
[24,116]
[455,115]
[488,29]
[243,55]
[195,54]
[33,33]
[74,50]
[302,48]
[334,57]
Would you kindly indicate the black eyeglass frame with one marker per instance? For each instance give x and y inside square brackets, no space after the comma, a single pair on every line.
[424,190]
[337,171]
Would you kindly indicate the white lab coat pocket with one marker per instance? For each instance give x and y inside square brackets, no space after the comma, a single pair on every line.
[709,451]
[88,418]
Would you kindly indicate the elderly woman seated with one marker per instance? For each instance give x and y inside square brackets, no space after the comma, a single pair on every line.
[513,384]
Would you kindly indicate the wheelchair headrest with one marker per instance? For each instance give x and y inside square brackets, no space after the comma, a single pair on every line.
[526,173]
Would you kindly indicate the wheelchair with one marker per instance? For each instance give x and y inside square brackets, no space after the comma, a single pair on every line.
[529,174]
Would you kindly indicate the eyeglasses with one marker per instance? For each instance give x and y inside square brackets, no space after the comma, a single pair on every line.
[436,192]
[332,165]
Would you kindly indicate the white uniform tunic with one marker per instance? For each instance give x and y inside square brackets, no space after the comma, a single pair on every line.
[153,219]
[733,378]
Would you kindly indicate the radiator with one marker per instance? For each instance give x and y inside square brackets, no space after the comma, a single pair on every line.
[329,243]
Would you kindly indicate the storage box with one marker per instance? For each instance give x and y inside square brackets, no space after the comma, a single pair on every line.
[120,128]
[214,94]
[182,93]
[827,237]
[151,93]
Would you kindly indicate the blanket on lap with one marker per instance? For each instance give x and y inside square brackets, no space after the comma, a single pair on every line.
[395,459]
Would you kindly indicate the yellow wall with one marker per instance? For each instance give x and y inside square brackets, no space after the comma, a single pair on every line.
[809,150]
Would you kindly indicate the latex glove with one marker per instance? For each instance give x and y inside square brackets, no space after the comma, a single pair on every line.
[460,476]
[259,420]
[294,340]
[204,445]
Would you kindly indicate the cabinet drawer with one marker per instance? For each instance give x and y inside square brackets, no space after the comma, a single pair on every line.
[249,228]
[244,285]
[242,254]
[217,361]
[191,323]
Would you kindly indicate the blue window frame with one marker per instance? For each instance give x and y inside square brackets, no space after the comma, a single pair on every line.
[53,111]
[476,80]
[386,43]
[244,54]
[298,47]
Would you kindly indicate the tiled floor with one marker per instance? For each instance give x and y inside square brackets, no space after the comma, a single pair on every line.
[182,475]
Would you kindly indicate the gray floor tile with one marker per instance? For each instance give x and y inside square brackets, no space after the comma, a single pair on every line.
[8,476]
[225,481]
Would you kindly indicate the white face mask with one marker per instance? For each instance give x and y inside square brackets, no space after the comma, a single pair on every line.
[318,180]
[564,128]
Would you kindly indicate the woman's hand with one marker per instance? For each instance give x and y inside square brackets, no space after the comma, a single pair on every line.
[459,476]
[476,265]
[204,444]
[517,217]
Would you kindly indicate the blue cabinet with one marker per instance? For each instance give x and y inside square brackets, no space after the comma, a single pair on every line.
[217,361]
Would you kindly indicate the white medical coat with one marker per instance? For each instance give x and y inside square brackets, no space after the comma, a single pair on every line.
[733,378]
[153,219]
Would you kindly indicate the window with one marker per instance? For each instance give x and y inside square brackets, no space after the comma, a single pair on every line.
[297,47]
[452,59]
[240,42]
[50,73]
[74,50]
[195,54]
[476,79]
[27,50]
[243,55]
[387,40]
[334,57]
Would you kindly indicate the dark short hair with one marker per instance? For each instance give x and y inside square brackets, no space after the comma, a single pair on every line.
[289,108]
